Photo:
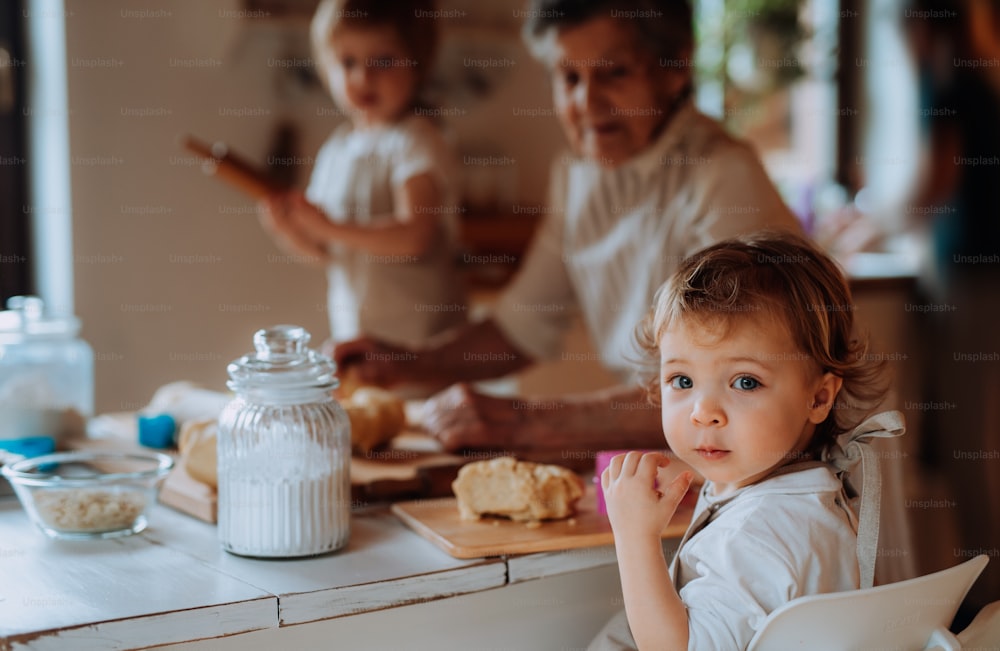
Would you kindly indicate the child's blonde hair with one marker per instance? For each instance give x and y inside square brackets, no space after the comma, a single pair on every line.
[414,21]
[783,277]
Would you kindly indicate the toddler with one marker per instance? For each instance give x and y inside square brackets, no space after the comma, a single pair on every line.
[758,379]
[381,200]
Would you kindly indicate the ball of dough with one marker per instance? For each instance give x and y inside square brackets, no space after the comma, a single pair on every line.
[197,443]
[365,433]
[519,490]
[376,417]
[389,408]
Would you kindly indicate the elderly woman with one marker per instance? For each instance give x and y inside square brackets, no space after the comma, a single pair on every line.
[649,182]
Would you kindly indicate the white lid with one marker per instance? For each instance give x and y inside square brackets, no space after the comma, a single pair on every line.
[26,317]
[282,362]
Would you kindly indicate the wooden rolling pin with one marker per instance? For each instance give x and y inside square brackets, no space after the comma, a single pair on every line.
[223,164]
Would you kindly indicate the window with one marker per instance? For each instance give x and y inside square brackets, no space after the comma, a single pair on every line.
[767,69]
[15,276]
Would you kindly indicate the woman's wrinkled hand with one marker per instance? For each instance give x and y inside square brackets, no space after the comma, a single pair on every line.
[370,361]
[462,418]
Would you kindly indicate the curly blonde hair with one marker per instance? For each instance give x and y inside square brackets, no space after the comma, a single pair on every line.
[784,277]
[413,21]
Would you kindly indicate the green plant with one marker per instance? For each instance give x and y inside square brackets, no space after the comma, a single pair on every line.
[750,48]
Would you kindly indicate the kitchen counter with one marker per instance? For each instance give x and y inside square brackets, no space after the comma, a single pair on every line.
[173,587]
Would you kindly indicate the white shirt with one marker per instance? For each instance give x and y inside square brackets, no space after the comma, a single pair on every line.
[771,542]
[357,179]
[613,236]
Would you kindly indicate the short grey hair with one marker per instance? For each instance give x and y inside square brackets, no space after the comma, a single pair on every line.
[664,27]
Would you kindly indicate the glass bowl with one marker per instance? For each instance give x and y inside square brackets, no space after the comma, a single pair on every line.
[86,495]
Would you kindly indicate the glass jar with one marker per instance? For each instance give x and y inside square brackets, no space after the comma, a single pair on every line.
[46,372]
[284,452]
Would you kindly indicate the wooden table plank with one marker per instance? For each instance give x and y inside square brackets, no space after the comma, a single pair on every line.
[153,631]
[529,567]
[326,604]
[384,564]
[121,590]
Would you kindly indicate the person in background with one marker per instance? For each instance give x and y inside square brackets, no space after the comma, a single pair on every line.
[382,198]
[983,22]
[956,203]
[759,376]
[650,180]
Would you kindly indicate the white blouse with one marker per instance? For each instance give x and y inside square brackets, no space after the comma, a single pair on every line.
[783,538]
[758,548]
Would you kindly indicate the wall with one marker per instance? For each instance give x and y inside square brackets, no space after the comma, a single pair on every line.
[172,272]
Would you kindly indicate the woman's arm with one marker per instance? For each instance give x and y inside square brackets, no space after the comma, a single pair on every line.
[559,429]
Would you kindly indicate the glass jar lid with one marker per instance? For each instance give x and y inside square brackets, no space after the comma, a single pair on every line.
[282,361]
[26,317]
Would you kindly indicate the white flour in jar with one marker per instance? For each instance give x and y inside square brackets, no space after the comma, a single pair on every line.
[292,502]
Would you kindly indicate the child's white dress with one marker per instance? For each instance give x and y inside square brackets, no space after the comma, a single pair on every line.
[357,179]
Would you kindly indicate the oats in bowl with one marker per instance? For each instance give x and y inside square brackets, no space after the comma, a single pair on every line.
[84,510]
[88,494]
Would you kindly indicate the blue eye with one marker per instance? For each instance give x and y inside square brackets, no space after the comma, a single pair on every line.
[680,382]
[746,383]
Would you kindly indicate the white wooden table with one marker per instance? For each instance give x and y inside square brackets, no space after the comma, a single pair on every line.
[173,587]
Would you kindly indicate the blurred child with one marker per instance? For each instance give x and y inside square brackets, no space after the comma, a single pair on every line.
[758,378]
[381,201]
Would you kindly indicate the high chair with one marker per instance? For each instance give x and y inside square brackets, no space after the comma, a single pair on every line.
[911,615]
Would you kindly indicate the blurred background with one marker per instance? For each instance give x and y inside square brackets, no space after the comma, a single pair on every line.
[168,269]
[877,119]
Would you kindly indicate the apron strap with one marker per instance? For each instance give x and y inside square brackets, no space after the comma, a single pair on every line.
[849,450]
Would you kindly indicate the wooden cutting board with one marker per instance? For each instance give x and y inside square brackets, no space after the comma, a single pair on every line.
[186,494]
[413,466]
[438,521]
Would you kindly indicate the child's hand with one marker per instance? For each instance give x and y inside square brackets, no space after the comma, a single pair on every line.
[308,220]
[636,507]
[278,216]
